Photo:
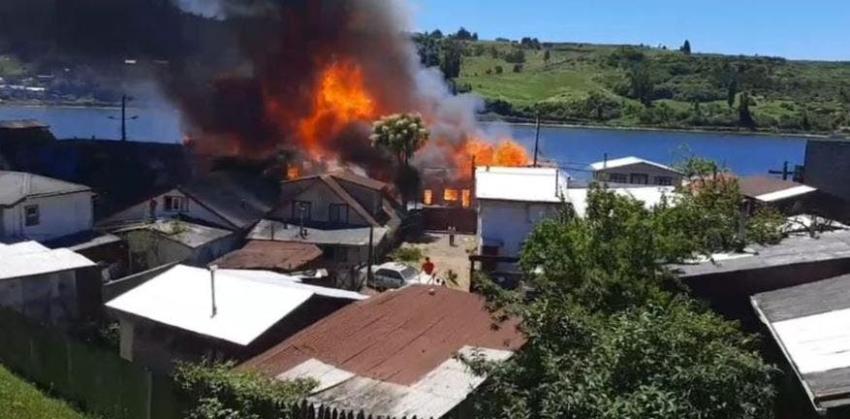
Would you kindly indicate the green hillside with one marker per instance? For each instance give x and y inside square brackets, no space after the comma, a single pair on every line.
[651,87]
[21,400]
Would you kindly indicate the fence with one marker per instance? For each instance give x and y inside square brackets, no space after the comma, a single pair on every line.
[97,380]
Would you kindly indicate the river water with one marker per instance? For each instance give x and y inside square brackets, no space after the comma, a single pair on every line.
[572,148]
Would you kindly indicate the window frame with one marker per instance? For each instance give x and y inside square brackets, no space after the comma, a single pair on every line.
[617,178]
[338,216]
[28,222]
[169,201]
[664,180]
[643,176]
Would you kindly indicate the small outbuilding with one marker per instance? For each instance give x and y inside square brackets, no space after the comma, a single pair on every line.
[191,313]
[809,325]
[272,256]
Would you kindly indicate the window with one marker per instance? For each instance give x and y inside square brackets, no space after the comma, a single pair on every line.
[302,210]
[32,216]
[388,274]
[175,204]
[617,178]
[466,198]
[428,197]
[663,180]
[338,213]
[639,179]
[450,195]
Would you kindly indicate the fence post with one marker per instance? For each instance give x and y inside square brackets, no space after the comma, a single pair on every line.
[149,396]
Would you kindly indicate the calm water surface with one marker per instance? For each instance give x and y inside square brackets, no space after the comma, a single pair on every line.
[572,148]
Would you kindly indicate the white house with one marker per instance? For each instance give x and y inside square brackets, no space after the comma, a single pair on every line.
[40,208]
[636,171]
[511,201]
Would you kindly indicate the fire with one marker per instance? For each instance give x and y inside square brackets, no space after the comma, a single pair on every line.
[506,153]
[340,100]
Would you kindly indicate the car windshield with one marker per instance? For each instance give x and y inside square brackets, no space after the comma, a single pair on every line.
[409,273]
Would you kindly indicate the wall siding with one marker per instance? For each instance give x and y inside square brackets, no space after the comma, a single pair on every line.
[59,216]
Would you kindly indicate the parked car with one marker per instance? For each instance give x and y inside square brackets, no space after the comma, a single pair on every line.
[395,275]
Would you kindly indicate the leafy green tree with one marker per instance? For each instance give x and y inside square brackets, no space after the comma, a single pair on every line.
[452,59]
[437,34]
[610,333]
[463,35]
[745,116]
[732,92]
[641,84]
[517,56]
[547,55]
[686,47]
[401,134]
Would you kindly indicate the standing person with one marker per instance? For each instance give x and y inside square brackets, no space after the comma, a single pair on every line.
[428,267]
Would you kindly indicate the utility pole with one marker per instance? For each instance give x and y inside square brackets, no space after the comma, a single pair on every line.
[537,139]
[785,172]
[369,274]
[124,100]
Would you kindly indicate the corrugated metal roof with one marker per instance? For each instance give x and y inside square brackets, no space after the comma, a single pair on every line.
[769,189]
[190,234]
[283,232]
[239,198]
[628,161]
[293,282]
[246,307]
[526,184]
[394,354]
[793,250]
[271,255]
[809,323]
[17,186]
[30,259]
[23,124]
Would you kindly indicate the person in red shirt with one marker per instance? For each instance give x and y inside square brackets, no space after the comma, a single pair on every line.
[428,266]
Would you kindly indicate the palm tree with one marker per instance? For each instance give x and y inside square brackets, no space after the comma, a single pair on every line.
[401,134]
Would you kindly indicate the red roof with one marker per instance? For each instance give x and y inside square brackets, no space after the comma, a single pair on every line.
[754,186]
[270,255]
[396,337]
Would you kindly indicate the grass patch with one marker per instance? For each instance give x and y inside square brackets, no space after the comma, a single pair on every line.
[21,400]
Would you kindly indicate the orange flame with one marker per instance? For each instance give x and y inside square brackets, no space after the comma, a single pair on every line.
[341,99]
[506,153]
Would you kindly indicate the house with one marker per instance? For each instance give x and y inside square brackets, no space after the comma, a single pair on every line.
[727,281]
[394,355]
[47,285]
[650,196]
[809,325]
[337,200]
[161,242]
[15,133]
[636,171]
[511,202]
[40,208]
[792,198]
[229,200]
[191,313]
[272,255]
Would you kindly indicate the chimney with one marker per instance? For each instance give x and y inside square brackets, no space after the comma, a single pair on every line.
[213,268]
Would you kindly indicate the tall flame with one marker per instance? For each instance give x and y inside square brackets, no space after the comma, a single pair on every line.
[341,98]
[506,153]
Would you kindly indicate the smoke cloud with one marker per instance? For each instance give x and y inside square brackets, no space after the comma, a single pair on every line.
[246,74]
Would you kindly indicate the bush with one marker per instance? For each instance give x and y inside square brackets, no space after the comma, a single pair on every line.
[215,391]
[412,255]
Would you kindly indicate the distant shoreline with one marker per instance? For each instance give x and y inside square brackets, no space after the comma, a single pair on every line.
[494,118]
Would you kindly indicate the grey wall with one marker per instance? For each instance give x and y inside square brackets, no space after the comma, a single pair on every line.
[828,167]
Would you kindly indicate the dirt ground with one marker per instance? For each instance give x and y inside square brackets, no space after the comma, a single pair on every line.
[447,257]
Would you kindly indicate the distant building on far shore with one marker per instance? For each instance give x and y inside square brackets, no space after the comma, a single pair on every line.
[636,171]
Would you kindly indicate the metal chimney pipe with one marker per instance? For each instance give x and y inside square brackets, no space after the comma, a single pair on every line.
[213,268]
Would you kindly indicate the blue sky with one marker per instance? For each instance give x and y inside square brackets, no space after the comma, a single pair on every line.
[800,29]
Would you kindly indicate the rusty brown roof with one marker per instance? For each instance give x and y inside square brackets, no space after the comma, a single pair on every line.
[398,337]
[270,255]
[754,186]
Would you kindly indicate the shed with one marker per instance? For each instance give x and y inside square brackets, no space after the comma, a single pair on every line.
[809,324]
[189,313]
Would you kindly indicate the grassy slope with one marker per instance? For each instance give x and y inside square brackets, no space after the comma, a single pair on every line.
[20,400]
[575,70]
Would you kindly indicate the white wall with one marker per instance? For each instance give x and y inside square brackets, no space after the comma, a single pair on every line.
[321,197]
[59,216]
[642,168]
[510,223]
[141,211]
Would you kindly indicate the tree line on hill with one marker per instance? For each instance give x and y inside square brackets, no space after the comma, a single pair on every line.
[637,85]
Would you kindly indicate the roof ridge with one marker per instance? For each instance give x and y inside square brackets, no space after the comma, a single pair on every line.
[342,193]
